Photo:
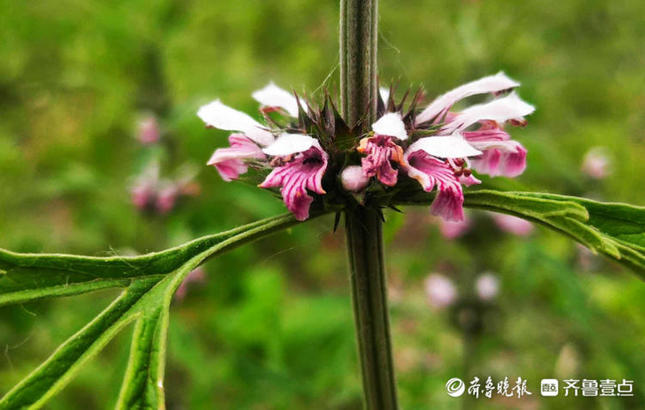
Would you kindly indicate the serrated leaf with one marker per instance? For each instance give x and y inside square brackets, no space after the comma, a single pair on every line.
[33,276]
[614,229]
[60,367]
[146,300]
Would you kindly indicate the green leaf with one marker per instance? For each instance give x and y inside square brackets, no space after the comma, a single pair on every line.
[60,367]
[146,301]
[25,277]
[614,229]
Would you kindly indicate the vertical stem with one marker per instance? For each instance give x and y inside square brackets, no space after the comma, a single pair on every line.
[358,49]
[369,295]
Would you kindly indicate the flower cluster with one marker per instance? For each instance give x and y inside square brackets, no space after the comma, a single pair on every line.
[435,146]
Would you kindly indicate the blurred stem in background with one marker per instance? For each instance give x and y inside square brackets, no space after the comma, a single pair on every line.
[358,49]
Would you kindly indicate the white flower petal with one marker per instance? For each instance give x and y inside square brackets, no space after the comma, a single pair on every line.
[226,118]
[450,146]
[390,124]
[274,96]
[385,94]
[499,110]
[287,144]
[491,84]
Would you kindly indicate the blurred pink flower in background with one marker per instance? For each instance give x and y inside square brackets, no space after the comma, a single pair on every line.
[440,291]
[586,259]
[150,193]
[596,163]
[144,189]
[197,276]
[487,286]
[452,229]
[512,224]
[166,198]
[148,131]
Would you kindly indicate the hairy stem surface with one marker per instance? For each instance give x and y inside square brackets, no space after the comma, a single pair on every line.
[369,295]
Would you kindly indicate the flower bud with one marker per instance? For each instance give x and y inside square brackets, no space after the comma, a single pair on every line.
[353,179]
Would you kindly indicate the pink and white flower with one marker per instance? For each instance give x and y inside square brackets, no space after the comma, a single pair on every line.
[438,148]
[245,145]
[499,154]
[298,160]
[382,149]
[302,172]
[231,162]
[272,96]
[444,160]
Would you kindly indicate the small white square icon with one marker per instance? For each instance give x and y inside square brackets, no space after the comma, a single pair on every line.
[549,387]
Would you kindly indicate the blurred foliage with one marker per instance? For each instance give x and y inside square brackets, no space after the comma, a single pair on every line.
[272,327]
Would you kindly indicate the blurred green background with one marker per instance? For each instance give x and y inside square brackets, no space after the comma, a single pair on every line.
[271,326]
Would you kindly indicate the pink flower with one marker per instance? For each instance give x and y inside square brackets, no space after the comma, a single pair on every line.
[501,155]
[381,149]
[231,162]
[437,162]
[500,110]
[440,291]
[431,172]
[353,179]
[452,230]
[442,160]
[302,172]
[248,144]
[596,163]
[512,224]
[298,160]
[487,286]
[148,130]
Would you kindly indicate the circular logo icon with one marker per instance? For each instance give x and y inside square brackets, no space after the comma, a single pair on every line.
[455,387]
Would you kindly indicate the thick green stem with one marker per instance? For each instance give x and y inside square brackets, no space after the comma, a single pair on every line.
[358,48]
[369,294]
